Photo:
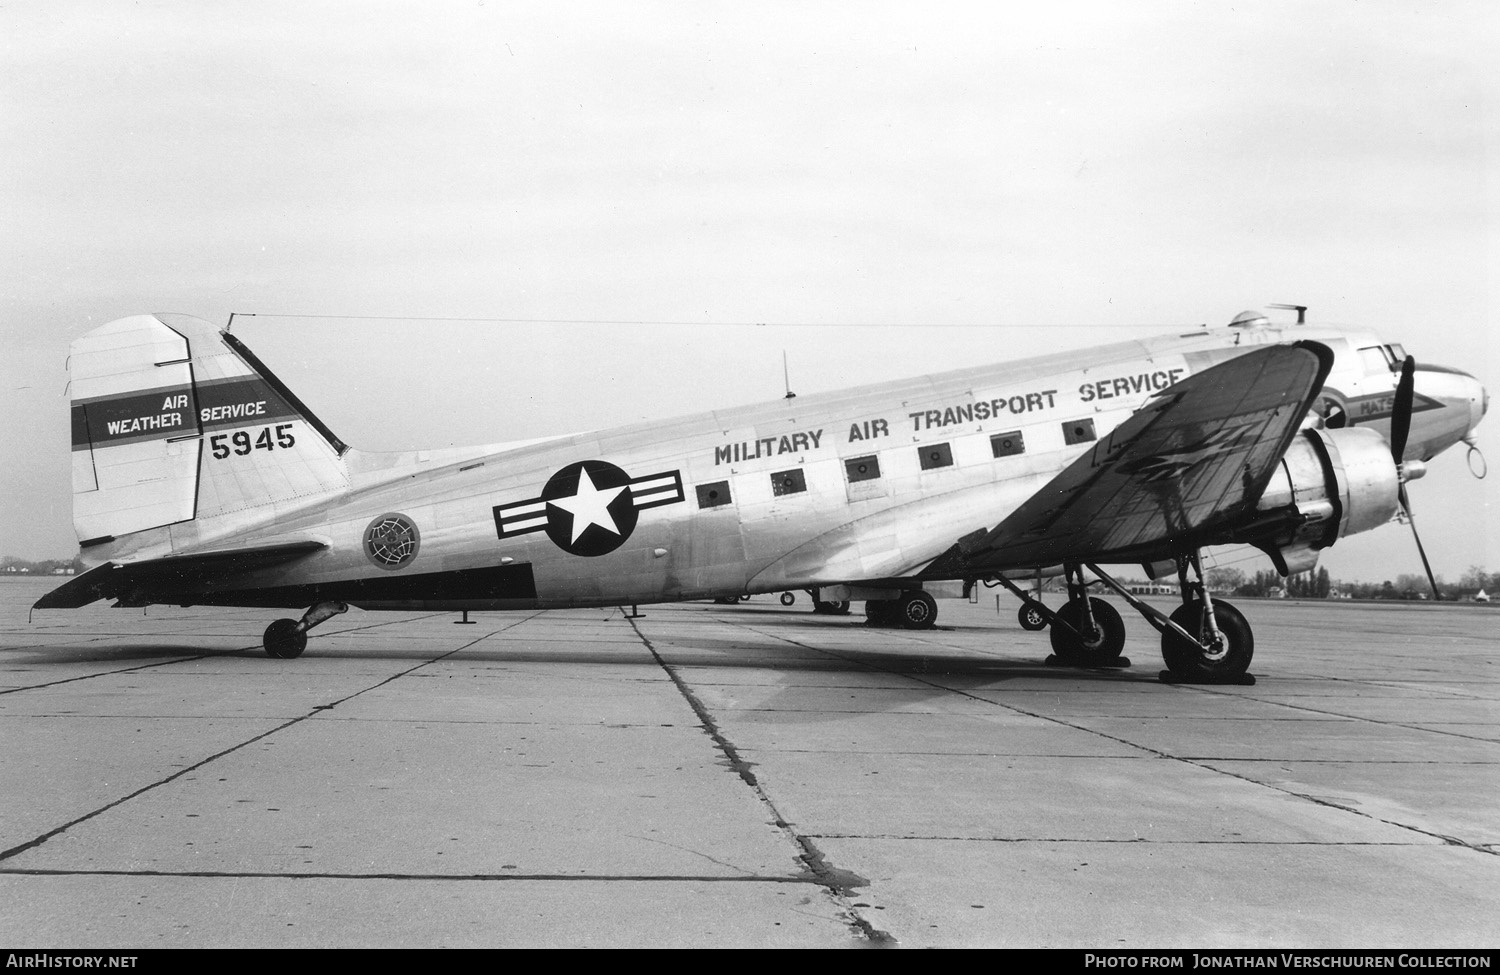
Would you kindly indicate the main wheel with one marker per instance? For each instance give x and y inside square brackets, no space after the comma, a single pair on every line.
[1227,659]
[284,640]
[837,607]
[1098,648]
[916,610]
[1031,618]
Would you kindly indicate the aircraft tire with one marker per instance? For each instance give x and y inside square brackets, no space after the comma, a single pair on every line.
[283,640]
[788,598]
[916,610]
[838,607]
[880,612]
[1190,662]
[1102,649]
[1031,618]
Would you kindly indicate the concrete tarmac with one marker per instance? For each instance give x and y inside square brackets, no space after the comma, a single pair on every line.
[742,776]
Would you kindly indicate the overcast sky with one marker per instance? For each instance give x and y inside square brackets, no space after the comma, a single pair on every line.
[625,189]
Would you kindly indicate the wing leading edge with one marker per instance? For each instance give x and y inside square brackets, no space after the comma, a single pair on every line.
[1192,462]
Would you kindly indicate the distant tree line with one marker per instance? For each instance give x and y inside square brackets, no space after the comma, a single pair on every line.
[9,565]
[1317,584]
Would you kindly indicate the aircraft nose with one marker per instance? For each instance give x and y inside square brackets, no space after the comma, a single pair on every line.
[1450,404]
[1477,397]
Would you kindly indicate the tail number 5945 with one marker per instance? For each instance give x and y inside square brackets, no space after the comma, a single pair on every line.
[241,443]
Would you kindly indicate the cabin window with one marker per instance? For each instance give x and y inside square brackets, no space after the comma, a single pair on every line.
[1078,431]
[1008,444]
[936,455]
[862,468]
[713,495]
[788,482]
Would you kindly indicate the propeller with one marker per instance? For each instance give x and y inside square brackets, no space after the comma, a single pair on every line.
[1400,430]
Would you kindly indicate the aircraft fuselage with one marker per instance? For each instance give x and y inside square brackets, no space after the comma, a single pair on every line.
[865,484]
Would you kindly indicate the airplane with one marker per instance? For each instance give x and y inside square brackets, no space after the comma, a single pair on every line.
[199,478]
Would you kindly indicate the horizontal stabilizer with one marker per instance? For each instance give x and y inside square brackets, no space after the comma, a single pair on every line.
[114,580]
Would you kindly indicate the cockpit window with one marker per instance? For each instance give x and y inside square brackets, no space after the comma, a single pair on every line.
[1382,357]
[1375,359]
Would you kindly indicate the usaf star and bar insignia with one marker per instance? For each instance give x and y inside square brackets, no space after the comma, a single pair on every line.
[589,508]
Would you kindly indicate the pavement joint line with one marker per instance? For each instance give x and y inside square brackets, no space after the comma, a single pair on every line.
[1331,804]
[312,712]
[111,673]
[794,879]
[835,882]
[186,658]
[1139,841]
[1196,763]
[1336,715]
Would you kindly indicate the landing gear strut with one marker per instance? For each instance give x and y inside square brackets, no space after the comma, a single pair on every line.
[1211,642]
[1092,633]
[287,638]
[1086,631]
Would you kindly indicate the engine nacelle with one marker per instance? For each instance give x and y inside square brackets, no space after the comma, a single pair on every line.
[1335,483]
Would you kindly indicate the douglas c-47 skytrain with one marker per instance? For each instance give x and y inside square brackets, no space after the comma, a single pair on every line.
[200,479]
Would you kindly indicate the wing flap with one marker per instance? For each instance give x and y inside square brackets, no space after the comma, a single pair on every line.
[1193,460]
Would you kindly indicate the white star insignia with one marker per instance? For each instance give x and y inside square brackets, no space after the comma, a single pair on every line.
[590,506]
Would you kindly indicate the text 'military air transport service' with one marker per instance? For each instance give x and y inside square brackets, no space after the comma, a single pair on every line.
[199,478]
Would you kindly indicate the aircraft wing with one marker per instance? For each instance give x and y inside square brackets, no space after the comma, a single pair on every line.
[1193,460]
[116,579]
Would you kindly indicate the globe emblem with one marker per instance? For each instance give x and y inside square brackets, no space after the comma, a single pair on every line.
[391,541]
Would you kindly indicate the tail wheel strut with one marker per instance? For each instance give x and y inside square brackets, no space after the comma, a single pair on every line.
[287,638]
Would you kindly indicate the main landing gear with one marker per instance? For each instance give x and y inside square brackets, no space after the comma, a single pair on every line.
[1204,641]
[912,610]
[1086,631]
[287,638]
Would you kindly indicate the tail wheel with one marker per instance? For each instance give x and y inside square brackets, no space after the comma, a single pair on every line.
[284,640]
[917,610]
[788,598]
[1228,657]
[1095,648]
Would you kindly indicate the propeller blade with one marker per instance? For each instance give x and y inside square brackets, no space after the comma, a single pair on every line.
[1401,411]
[1412,521]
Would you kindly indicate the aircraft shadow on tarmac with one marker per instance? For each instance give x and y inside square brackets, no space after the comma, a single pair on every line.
[929,664]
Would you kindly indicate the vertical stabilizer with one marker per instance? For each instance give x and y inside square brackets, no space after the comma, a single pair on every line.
[174,420]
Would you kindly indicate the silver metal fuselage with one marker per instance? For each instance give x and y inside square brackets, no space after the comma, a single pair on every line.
[955,454]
